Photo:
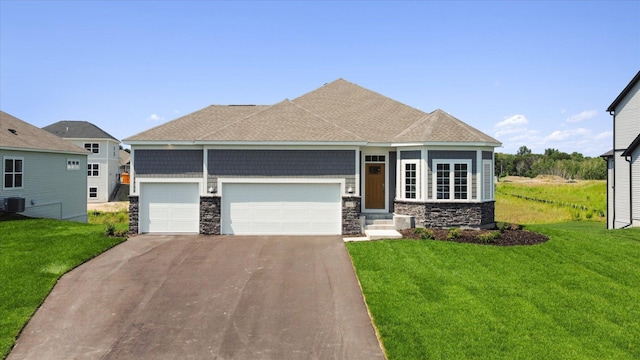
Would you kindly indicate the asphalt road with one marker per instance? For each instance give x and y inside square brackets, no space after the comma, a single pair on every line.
[206,297]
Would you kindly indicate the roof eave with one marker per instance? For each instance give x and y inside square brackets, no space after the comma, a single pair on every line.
[624,93]
[634,144]
[50,151]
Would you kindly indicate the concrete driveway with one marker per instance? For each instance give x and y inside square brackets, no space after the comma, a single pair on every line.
[206,297]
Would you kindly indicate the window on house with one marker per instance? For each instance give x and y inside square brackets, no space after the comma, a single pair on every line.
[73,164]
[452,179]
[13,173]
[93,192]
[374,158]
[93,147]
[93,169]
[411,179]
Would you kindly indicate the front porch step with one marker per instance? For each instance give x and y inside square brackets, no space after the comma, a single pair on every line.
[382,234]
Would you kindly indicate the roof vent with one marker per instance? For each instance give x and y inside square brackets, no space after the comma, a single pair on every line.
[13,131]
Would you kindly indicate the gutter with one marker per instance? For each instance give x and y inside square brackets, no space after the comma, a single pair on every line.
[627,158]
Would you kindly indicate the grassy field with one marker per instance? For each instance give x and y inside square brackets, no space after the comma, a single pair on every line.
[573,297]
[540,202]
[34,253]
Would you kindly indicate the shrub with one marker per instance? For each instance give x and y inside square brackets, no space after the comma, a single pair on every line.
[120,233]
[454,233]
[110,229]
[504,226]
[490,237]
[424,233]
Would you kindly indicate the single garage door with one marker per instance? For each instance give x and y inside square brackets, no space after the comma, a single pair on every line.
[169,208]
[281,209]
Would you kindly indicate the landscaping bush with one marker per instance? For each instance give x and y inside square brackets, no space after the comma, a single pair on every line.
[424,233]
[489,237]
[454,233]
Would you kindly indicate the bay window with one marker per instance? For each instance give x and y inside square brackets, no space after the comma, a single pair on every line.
[452,179]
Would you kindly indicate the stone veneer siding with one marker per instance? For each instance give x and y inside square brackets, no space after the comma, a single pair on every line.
[210,215]
[442,214]
[133,214]
[351,215]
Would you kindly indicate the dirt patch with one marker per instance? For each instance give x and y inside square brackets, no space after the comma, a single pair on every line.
[510,237]
[113,206]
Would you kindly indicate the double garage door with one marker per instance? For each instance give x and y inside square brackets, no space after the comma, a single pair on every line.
[246,209]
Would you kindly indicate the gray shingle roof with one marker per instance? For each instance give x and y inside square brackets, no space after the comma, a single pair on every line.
[77,130]
[337,112]
[17,134]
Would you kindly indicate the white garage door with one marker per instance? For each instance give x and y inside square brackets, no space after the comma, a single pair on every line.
[169,208]
[281,209]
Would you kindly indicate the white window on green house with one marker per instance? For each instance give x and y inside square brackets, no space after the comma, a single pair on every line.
[93,169]
[12,171]
[452,179]
[73,164]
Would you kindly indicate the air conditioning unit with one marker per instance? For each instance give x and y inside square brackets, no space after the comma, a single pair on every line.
[14,204]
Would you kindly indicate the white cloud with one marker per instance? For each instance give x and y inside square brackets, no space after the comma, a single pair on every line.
[155,118]
[514,120]
[587,114]
[607,135]
[567,134]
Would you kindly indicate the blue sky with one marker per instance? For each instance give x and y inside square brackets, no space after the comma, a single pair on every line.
[537,73]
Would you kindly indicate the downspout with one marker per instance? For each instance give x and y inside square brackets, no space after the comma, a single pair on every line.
[607,192]
[613,193]
[628,159]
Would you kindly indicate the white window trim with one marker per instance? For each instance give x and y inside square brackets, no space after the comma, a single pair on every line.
[4,158]
[91,175]
[73,164]
[487,180]
[451,163]
[403,178]
[90,149]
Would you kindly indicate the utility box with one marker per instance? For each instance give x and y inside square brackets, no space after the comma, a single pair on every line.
[14,204]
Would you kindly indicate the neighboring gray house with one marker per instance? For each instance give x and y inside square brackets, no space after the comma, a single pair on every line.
[44,170]
[623,163]
[103,165]
[312,165]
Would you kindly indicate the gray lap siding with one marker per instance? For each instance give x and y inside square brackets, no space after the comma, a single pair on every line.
[227,163]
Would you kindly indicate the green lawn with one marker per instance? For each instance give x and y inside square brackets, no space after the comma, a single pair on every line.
[34,253]
[576,296]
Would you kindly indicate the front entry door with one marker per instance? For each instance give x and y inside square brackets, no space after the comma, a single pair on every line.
[374,186]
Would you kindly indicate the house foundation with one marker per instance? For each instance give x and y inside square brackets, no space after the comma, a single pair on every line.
[444,215]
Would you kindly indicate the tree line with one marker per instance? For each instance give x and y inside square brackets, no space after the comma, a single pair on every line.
[552,162]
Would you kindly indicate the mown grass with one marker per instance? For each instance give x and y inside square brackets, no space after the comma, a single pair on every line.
[551,202]
[573,297]
[34,253]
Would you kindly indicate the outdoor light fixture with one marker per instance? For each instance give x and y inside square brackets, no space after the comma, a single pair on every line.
[212,189]
[350,190]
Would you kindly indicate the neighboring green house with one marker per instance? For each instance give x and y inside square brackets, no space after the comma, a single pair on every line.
[317,164]
[41,171]
[623,161]
[103,167]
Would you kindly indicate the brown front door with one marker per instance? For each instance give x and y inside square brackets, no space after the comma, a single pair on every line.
[374,186]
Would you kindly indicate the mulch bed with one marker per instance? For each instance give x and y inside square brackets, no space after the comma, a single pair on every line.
[510,237]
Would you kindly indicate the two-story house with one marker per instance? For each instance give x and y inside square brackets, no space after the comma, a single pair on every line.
[103,162]
[623,162]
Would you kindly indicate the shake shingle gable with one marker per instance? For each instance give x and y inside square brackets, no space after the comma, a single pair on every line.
[339,111]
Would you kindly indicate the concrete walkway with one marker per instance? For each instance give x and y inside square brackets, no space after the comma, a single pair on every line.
[206,297]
